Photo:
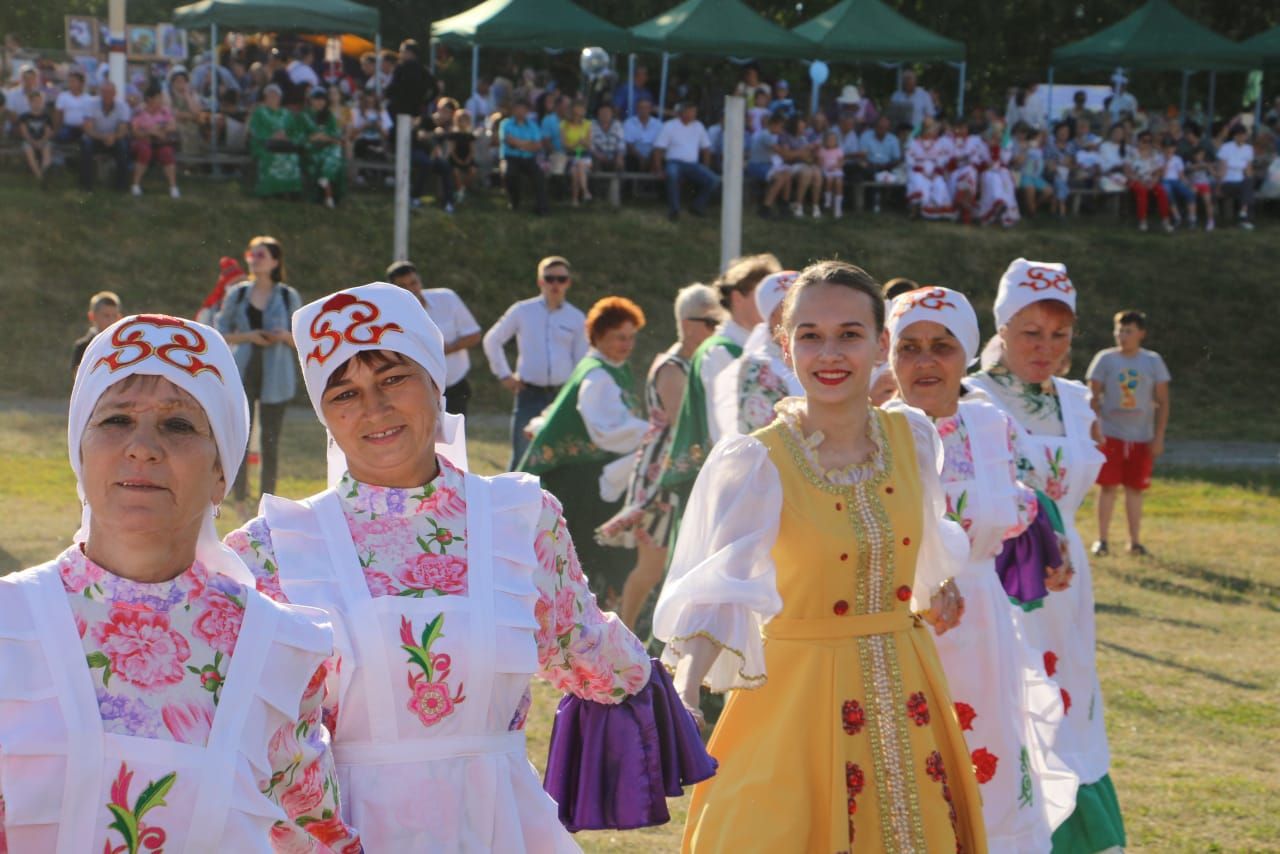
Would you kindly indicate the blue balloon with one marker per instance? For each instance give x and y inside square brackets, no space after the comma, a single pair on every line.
[818,72]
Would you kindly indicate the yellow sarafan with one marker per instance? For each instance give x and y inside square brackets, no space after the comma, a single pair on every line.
[852,744]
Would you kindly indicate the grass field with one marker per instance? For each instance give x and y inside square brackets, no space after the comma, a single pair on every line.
[1185,650]
[1211,297]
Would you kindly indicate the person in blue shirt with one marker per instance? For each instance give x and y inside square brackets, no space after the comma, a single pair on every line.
[878,151]
[520,143]
[627,95]
[555,108]
[782,102]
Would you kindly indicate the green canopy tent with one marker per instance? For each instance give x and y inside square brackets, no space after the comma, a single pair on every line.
[321,17]
[717,28]
[1266,46]
[869,31]
[1157,37]
[527,25]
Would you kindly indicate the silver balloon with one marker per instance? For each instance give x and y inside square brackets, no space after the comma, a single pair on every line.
[594,61]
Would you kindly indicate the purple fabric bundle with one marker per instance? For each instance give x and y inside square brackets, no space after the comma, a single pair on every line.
[612,767]
[1021,564]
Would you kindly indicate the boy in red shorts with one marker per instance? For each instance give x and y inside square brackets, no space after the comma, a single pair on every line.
[1131,396]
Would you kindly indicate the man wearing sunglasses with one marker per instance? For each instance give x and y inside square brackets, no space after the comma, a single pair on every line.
[550,340]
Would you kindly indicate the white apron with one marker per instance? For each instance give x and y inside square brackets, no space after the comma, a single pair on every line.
[464,783]
[59,770]
[991,668]
[1065,626]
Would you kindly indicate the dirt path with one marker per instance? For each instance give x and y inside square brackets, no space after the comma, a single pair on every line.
[1184,453]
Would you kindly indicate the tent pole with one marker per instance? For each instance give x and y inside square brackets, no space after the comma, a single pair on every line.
[431,46]
[116,58]
[475,67]
[813,97]
[735,112]
[400,237]
[1213,90]
[1182,109]
[898,66]
[377,69]
[1257,105]
[1048,109]
[960,95]
[631,85]
[213,88]
[662,95]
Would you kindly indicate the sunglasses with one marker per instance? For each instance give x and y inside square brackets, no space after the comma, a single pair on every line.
[555,280]
[259,253]
[710,321]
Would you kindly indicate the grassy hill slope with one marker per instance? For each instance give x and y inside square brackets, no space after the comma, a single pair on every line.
[1211,297]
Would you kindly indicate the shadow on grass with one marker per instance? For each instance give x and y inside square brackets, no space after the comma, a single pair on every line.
[1185,668]
[1118,610]
[1162,585]
[1264,481]
[8,562]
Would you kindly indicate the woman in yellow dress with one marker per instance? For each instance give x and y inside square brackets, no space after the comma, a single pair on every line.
[811,556]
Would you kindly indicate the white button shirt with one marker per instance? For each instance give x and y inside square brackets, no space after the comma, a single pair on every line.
[683,142]
[714,362]
[550,343]
[455,320]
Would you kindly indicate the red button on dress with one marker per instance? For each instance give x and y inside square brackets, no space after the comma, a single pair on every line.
[906,541]
[904,593]
[841,608]
[839,506]
[889,489]
[844,556]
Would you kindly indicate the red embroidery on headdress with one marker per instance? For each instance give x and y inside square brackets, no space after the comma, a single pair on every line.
[362,318]
[931,297]
[1042,278]
[182,339]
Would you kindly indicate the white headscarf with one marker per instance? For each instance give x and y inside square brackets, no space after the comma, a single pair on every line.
[1027,282]
[940,305]
[196,359]
[376,316]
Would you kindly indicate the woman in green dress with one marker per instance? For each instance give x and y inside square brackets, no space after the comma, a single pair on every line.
[583,443]
[324,166]
[274,143]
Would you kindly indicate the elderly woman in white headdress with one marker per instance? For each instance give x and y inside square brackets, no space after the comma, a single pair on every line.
[746,394]
[1008,708]
[448,591]
[1035,313]
[149,697]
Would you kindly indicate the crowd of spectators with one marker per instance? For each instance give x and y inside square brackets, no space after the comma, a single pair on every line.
[311,127]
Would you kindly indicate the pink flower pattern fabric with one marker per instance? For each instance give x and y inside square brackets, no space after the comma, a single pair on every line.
[413,542]
[958,466]
[159,654]
[759,389]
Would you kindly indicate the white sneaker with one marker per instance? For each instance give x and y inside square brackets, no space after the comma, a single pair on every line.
[135,190]
[328,202]
[174,194]
[839,207]
[817,212]
[797,209]
[1142,226]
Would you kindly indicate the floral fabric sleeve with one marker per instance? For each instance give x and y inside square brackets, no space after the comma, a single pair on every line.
[304,781]
[581,650]
[759,388]
[253,544]
[1028,504]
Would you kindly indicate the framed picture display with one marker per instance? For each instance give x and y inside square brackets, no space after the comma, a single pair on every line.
[172,42]
[140,41]
[104,35]
[82,35]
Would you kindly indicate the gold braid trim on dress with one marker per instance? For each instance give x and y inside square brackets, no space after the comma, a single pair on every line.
[757,681]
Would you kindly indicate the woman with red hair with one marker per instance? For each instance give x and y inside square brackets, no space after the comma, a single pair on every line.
[582,443]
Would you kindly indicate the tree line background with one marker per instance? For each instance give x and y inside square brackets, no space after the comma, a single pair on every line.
[1007,42]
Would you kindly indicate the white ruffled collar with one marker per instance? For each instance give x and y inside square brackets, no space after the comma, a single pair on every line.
[791,411]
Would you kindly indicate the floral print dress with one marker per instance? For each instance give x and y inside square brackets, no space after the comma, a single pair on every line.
[1005,702]
[413,546]
[1056,455]
[159,655]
